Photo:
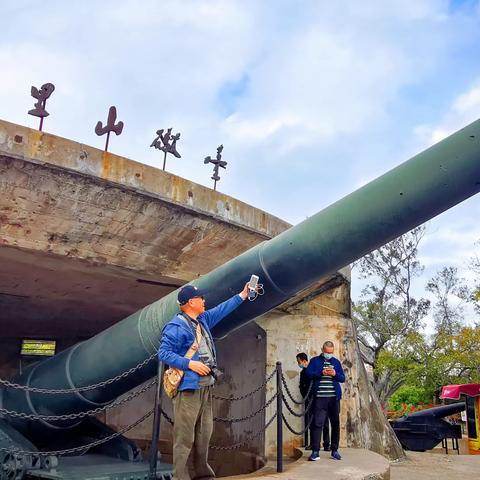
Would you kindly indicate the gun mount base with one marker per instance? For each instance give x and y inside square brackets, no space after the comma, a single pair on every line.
[100,467]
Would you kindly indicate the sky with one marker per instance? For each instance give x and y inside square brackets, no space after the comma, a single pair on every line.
[311,99]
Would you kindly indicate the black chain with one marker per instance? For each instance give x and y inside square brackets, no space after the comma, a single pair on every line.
[248,417]
[305,410]
[82,447]
[247,440]
[167,418]
[63,391]
[74,416]
[294,431]
[304,399]
[242,397]
[290,409]
[235,445]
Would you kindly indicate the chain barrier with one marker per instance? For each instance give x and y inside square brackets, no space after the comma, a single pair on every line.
[81,448]
[290,409]
[247,417]
[247,440]
[130,396]
[167,418]
[246,395]
[301,432]
[240,419]
[230,420]
[63,391]
[304,399]
[244,442]
[74,416]
[305,410]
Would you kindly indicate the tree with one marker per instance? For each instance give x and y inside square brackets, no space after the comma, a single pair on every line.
[387,313]
[446,286]
[431,363]
[475,267]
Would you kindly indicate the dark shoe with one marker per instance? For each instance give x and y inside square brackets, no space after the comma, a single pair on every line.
[308,447]
[326,448]
[314,457]
[336,455]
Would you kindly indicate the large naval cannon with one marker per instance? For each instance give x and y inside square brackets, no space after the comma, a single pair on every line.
[407,196]
[425,429]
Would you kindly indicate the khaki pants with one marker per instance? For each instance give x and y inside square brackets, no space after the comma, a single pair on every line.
[191,433]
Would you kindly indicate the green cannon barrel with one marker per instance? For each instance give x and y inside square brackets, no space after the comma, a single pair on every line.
[410,194]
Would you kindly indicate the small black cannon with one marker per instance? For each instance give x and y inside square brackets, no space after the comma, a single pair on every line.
[424,430]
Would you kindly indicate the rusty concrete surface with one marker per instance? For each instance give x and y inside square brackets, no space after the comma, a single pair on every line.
[88,237]
[33,146]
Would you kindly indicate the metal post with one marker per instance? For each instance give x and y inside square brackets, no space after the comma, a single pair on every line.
[279,419]
[106,143]
[164,160]
[157,414]
[44,105]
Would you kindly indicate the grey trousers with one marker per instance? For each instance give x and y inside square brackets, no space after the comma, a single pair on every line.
[191,434]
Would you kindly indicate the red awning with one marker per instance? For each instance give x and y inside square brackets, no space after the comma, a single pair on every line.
[454,391]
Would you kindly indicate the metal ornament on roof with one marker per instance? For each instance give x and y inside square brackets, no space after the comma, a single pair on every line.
[167,143]
[110,126]
[41,94]
[218,163]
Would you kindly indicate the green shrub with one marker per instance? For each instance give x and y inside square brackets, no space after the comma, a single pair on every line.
[406,395]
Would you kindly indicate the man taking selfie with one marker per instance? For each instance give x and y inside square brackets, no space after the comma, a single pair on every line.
[190,331]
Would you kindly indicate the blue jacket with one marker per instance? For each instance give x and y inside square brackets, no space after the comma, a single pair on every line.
[178,337]
[315,369]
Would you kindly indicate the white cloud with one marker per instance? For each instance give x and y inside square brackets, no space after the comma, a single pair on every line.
[317,114]
[464,110]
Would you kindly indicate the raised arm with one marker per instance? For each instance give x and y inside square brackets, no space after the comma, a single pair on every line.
[214,315]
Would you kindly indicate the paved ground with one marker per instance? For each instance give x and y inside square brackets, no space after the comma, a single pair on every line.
[360,464]
[428,466]
[357,464]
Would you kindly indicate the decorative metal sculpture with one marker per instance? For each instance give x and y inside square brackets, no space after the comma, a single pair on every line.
[167,143]
[110,126]
[41,95]
[218,162]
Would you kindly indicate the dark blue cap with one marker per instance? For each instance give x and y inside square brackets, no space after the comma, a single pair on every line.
[187,293]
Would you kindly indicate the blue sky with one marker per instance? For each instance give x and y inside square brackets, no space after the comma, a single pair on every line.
[311,99]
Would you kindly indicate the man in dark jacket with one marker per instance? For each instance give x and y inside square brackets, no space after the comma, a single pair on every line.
[304,385]
[327,373]
[192,405]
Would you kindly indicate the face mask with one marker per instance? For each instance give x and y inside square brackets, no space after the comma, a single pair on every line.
[301,365]
[327,356]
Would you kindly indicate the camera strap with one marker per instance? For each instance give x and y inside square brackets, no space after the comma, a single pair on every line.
[195,325]
[197,333]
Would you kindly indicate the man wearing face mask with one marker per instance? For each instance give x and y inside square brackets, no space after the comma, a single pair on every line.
[304,385]
[327,373]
